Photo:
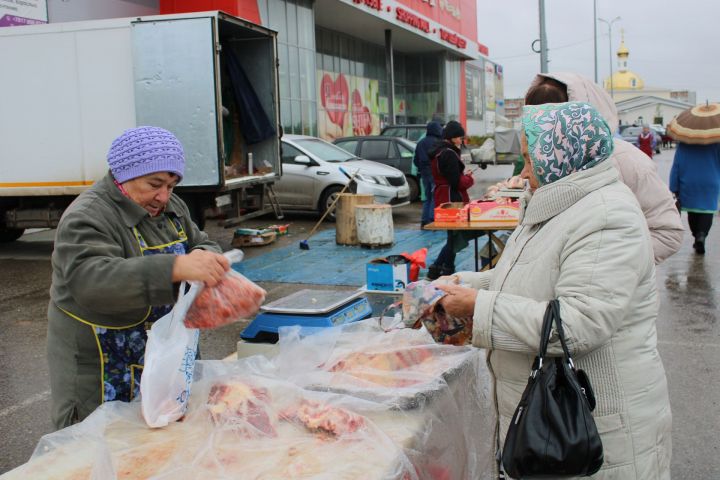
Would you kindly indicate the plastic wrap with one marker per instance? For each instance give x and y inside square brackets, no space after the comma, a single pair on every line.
[437,397]
[233,298]
[420,304]
[326,407]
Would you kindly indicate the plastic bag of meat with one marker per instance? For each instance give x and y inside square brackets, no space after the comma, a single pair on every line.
[420,305]
[234,298]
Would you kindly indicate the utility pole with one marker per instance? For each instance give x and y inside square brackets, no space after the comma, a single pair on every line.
[610,24]
[543,39]
[595,37]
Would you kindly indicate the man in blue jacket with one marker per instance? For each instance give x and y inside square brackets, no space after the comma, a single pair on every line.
[422,162]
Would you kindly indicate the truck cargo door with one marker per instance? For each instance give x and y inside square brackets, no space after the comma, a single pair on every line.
[175,88]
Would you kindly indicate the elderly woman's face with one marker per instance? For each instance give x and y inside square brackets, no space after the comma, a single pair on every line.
[527,171]
[152,192]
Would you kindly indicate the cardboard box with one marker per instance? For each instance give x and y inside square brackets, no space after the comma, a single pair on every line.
[383,276]
[253,239]
[451,212]
[493,212]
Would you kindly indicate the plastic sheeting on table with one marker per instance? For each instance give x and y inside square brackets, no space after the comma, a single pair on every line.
[347,403]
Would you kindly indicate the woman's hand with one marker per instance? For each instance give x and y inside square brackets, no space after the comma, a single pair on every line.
[459,301]
[200,266]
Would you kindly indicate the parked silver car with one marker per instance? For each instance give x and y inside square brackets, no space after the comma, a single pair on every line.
[312,176]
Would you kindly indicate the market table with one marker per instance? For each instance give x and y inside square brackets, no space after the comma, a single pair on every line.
[394,404]
[485,228]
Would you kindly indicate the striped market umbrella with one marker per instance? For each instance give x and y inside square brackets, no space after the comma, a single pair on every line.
[699,125]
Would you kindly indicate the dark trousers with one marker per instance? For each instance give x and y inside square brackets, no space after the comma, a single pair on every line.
[700,224]
[428,208]
[446,258]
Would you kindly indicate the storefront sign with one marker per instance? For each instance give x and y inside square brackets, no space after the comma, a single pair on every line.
[22,12]
[412,20]
[375,4]
[484,49]
[452,38]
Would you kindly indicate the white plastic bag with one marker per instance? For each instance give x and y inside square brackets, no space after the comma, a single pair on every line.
[169,364]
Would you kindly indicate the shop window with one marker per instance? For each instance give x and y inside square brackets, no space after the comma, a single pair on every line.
[276,11]
[292,23]
[375,149]
[296,113]
[283,71]
[294,70]
[306,24]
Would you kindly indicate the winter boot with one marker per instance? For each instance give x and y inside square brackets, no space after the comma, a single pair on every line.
[434,272]
[699,244]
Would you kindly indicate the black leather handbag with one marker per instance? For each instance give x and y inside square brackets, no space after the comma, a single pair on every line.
[553,433]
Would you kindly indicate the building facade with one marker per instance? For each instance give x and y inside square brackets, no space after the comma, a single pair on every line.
[350,67]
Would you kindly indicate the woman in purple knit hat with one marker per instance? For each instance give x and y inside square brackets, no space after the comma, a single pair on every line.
[121,250]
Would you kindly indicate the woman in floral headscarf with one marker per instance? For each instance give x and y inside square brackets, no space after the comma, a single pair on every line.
[582,239]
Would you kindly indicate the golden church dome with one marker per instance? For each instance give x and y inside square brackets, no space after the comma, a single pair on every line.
[626,80]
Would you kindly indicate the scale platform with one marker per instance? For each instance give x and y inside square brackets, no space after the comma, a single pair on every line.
[307,308]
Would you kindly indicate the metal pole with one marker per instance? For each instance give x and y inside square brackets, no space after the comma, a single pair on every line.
[390,67]
[610,24]
[612,89]
[595,38]
[543,39]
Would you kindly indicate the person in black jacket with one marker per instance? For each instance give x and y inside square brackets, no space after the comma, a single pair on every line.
[451,185]
[422,160]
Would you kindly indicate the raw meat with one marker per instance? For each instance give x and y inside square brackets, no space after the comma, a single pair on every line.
[319,417]
[234,298]
[245,407]
[378,367]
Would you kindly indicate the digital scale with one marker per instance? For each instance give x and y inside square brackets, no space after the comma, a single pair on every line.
[307,308]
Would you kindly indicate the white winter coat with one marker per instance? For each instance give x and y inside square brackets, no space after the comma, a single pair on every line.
[636,169]
[583,240]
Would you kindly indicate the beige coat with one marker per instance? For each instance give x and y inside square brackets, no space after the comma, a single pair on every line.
[636,169]
[583,240]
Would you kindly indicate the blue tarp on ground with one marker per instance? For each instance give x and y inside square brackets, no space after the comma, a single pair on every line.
[327,263]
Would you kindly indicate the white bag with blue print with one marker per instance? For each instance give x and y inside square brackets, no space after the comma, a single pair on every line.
[170,355]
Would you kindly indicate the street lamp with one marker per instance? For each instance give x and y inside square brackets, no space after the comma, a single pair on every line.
[610,24]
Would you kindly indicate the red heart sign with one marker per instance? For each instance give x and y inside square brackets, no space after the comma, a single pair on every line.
[334,97]
[362,124]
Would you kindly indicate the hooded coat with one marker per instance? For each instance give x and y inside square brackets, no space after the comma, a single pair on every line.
[601,270]
[423,148]
[636,170]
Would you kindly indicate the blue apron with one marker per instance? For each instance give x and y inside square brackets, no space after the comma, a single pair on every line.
[122,349]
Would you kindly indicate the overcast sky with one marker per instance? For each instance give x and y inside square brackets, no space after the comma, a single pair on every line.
[673,44]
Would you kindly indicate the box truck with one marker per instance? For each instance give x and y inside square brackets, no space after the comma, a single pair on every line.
[69,89]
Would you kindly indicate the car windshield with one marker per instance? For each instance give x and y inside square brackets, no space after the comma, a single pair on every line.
[325,151]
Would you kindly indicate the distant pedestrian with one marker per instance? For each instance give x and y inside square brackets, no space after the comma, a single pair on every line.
[647,141]
[451,185]
[422,159]
[695,181]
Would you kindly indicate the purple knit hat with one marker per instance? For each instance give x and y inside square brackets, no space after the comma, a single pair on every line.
[145,150]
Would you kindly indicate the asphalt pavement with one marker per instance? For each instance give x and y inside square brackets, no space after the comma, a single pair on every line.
[688,334]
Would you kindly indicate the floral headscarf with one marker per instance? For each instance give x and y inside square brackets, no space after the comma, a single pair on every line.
[564,138]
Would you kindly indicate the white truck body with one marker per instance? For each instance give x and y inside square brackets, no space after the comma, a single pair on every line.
[70,88]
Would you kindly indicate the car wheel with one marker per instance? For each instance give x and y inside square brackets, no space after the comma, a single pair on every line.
[328,197]
[414,186]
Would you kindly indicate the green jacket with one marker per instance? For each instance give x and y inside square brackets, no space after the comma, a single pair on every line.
[100,276]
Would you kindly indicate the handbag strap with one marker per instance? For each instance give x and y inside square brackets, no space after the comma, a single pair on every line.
[552,314]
